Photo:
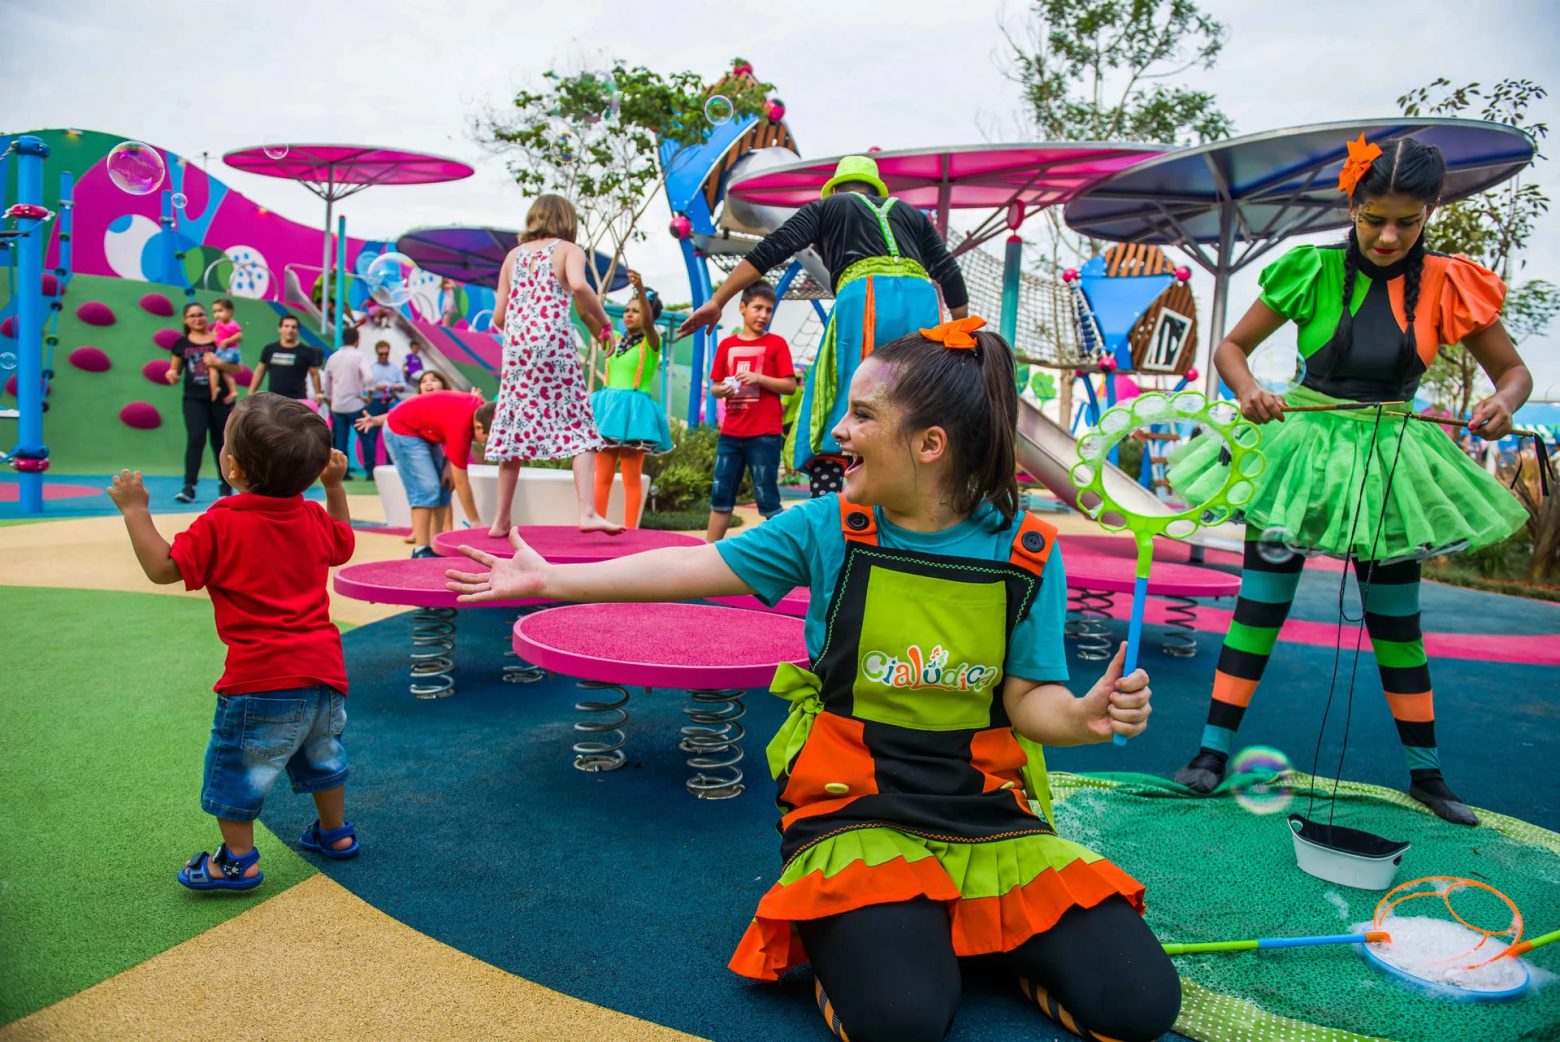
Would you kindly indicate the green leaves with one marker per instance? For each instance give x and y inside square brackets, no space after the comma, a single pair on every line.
[1085,66]
[594,137]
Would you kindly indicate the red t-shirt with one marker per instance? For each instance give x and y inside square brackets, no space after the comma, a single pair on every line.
[442,417]
[752,410]
[265,561]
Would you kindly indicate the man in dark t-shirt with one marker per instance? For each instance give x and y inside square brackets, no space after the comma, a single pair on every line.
[290,363]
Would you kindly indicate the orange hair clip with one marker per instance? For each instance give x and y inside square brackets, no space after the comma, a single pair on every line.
[955,334]
[1361,156]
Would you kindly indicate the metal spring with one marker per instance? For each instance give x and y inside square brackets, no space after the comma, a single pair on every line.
[1181,618]
[603,751]
[714,738]
[433,652]
[521,672]
[1088,614]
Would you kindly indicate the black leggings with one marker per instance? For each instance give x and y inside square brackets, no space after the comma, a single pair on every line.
[889,971]
[203,419]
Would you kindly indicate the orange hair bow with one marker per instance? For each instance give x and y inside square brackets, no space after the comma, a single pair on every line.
[1361,156]
[955,334]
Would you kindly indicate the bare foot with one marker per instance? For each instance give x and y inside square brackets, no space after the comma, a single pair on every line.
[500,530]
[594,522]
[409,540]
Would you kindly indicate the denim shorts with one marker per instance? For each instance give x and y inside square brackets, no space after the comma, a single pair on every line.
[760,455]
[421,467]
[254,737]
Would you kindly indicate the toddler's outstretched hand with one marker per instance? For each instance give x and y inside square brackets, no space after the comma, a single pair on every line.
[335,470]
[128,492]
[523,575]
[1117,704]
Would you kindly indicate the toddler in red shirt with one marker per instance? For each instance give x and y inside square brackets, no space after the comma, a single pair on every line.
[752,371]
[264,555]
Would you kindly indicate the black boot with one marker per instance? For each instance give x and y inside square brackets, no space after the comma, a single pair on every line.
[1204,772]
[1428,787]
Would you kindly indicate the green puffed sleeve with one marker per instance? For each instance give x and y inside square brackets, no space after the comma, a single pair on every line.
[1289,283]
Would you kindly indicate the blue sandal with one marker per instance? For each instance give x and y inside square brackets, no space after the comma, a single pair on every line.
[197,872]
[319,840]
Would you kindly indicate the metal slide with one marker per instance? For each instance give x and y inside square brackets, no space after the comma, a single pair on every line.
[1049,452]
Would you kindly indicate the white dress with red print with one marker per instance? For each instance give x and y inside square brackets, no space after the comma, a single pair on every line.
[543,411]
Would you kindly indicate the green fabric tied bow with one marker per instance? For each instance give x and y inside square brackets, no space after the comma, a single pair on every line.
[804,690]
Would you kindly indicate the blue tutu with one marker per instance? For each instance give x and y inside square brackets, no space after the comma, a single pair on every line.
[631,420]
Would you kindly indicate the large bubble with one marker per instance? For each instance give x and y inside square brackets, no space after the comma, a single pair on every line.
[719,110]
[7,360]
[1277,367]
[1276,545]
[135,167]
[389,279]
[1264,792]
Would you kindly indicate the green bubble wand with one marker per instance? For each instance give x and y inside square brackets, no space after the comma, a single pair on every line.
[1220,419]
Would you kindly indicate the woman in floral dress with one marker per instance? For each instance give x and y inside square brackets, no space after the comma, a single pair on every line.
[543,411]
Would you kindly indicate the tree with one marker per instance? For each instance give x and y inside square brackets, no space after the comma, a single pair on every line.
[1492,228]
[594,137]
[1097,71]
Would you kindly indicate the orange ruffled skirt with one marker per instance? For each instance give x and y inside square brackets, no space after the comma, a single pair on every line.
[999,892]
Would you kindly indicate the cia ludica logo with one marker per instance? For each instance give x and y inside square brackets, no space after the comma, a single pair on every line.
[917,669]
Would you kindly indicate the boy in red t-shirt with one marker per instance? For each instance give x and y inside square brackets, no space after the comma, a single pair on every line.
[264,555]
[752,373]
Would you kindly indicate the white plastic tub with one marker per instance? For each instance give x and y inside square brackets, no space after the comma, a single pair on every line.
[1348,857]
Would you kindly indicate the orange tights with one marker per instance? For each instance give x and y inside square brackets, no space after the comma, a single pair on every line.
[633,467]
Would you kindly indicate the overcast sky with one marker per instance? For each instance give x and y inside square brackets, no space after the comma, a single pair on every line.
[211,76]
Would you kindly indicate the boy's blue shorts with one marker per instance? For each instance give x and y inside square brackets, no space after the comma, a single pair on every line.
[255,737]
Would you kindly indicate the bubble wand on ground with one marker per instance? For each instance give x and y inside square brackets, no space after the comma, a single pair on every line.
[1264,943]
[1221,419]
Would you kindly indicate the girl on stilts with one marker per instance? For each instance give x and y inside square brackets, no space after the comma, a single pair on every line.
[543,412]
[909,767]
[1361,483]
[631,422]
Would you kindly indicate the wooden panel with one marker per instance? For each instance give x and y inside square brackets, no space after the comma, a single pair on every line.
[1178,299]
[1132,258]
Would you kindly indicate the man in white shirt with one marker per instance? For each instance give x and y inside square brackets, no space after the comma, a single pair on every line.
[346,387]
[385,384]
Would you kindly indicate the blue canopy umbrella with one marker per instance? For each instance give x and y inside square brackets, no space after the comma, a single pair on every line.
[1261,189]
[473,255]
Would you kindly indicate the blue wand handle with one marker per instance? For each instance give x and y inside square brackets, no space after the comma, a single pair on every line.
[1139,602]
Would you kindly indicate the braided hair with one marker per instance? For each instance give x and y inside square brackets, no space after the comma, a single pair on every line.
[1418,171]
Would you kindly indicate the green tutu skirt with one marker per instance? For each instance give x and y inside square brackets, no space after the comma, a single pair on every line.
[1334,478]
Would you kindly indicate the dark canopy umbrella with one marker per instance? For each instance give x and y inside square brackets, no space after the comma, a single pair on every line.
[1263,188]
[473,255]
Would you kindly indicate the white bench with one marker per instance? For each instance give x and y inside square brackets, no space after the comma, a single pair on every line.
[542,497]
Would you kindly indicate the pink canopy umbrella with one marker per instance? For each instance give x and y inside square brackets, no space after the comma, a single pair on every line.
[334,172]
[1013,181]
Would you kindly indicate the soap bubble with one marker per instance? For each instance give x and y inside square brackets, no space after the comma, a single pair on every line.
[7,360]
[1276,545]
[482,321]
[274,151]
[566,146]
[135,167]
[1277,367]
[719,110]
[1269,794]
[180,200]
[389,279]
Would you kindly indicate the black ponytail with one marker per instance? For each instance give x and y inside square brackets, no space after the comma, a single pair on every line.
[970,393]
[1410,168]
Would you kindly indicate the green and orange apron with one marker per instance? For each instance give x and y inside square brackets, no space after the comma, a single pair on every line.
[899,773]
